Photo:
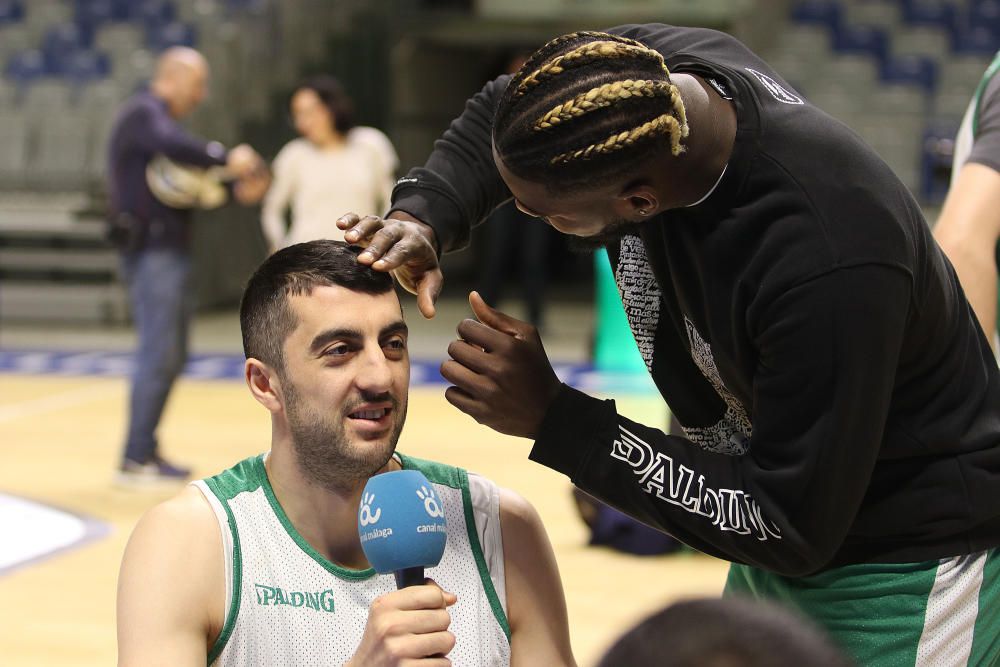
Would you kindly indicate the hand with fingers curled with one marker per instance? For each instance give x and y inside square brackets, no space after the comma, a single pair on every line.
[407,627]
[403,245]
[501,375]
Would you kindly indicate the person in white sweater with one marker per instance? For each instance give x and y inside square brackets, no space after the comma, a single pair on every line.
[334,167]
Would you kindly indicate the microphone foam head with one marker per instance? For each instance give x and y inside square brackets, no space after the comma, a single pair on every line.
[401,522]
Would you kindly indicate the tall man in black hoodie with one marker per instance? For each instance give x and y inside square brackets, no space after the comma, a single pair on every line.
[841,407]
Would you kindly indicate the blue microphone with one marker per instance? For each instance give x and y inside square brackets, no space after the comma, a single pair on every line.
[401,525]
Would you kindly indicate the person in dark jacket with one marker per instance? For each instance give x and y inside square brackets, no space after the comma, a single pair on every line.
[154,241]
[840,405]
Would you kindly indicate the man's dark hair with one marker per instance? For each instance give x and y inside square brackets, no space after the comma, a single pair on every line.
[333,97]
[585,108]
[266,319]
[726,632]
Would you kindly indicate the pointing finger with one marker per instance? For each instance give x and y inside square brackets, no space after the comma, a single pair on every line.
[496,319]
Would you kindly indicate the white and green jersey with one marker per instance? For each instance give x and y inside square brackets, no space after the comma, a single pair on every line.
[969,130]
[288,605]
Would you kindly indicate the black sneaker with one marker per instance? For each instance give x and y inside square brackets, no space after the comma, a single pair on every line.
[156,471]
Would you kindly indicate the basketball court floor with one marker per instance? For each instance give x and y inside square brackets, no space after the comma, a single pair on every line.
[65,524]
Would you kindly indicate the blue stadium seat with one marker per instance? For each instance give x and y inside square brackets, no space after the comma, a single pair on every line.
[237,6]
[911,70]
[153,13]
[170,34]
[936,154]
[91,14]
[11,11]
[59,43]
[85,66]
[862,39]
[24,67]
[985,14]
[975,41]
[941,14]
[818,12]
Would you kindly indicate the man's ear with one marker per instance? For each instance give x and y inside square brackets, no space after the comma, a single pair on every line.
[264,384]
[637,202]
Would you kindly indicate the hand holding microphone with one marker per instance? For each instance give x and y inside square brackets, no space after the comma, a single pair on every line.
[402,528]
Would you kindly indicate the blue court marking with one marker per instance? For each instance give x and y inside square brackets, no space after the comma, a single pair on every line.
[423,372]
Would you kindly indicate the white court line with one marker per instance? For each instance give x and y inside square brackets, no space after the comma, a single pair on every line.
[55,402]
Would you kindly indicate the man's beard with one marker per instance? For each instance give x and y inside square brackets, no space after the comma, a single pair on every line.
[324,453]
[612,233]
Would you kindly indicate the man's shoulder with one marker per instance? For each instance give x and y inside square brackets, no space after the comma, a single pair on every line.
[439,473]
[141,102]
[669,40]
[188,512]
[247,475]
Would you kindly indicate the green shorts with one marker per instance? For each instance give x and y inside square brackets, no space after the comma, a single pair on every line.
[931,614]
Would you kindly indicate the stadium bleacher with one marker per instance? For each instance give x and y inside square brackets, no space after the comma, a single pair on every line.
[66,66]
[926,56]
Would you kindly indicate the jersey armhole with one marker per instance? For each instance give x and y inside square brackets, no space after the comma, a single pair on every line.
[232,562]
[486,538]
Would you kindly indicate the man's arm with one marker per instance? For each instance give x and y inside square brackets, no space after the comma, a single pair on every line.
[968,230]
[827,352]
[459,185]
[155,131]
[969,226]
[536,605]
[171,588]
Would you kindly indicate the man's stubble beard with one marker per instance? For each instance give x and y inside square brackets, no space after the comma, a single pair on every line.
[323,452]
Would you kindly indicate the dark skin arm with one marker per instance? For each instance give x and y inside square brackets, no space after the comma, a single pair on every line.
[501,375]
[403,245]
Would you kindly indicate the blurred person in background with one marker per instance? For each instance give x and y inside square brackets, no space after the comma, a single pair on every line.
[334,167]
[969,225]
[727,632]
[154,240]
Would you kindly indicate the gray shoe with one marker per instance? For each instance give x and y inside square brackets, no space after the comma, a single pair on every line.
[155,472]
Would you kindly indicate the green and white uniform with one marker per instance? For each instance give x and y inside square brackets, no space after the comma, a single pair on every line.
[288,605]
[933,614]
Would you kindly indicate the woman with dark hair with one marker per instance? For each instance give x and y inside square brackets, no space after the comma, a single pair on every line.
[333,167]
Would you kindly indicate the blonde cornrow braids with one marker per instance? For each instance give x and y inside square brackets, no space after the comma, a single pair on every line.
[604,96]
[582,55]
[620,140]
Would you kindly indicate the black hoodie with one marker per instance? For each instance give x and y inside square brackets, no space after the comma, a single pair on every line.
[840,402]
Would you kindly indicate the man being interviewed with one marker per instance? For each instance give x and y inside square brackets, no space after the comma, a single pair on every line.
[262,564]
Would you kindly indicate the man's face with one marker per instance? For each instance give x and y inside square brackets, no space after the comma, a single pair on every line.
[345,383]
[588,215]
[190,90]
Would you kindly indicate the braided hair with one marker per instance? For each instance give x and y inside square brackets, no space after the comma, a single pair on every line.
[588,107]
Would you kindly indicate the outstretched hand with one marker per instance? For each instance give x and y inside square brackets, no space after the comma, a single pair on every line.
[501,375]
[400,244]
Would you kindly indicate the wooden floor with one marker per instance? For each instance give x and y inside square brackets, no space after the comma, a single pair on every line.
[60,441]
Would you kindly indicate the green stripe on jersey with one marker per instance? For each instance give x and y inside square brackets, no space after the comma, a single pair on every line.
[873,611]
[891,614]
